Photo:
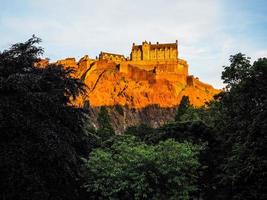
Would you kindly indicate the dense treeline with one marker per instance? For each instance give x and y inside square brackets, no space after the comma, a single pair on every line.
[47,152]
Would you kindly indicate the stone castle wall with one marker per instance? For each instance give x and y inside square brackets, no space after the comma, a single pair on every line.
[151,52]
[138,74]
[169,70]
[68,62]
[110,56]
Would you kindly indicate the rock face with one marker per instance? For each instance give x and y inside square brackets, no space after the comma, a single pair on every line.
[139,88]
[153,75]
[122,117]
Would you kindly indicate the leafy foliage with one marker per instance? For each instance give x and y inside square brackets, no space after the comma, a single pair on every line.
[183,107]
[144,133]
[242,131]
[41,134]
[238,70]
[196,132]
[130,169]
[105,130]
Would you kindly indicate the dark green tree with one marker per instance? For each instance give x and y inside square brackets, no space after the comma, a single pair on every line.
[194,131]
[105,130]
[143,132]
[130,169]
[41,133]
[183,106]
[242,162]
[238,70]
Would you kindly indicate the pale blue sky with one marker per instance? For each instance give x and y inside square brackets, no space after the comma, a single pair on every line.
[209,31]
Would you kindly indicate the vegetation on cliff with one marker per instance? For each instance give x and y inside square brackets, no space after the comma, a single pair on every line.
[47,151]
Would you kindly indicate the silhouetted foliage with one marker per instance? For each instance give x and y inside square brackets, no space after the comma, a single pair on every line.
[183,106]
[41,134]
[238,70]
[105,130]
[119,109]
[242,162]
[144,133]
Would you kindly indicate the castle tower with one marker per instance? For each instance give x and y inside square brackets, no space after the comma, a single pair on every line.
[145,51]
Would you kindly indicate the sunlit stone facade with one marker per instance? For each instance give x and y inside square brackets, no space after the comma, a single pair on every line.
[154,52]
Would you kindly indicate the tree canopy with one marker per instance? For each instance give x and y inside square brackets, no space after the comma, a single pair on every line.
[41,134]
[130,169]
[105,130]
[242,129]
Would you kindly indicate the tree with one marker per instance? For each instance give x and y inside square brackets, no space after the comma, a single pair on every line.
[237,71]
[184,105]
[41,133]
[144,132]
[130,169]
[242,161]
[105,130]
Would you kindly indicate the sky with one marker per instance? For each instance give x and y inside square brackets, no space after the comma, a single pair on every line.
[208,31]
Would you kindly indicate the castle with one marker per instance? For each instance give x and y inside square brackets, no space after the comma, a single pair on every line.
[146,52]
[151,61]
[159,52]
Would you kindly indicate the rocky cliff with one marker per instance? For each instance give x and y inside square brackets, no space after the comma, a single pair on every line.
[108,84]
[122,117]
